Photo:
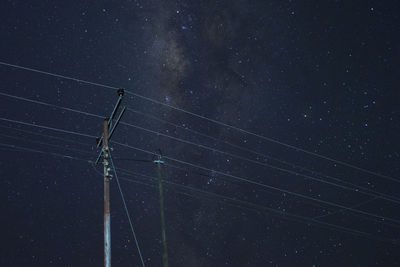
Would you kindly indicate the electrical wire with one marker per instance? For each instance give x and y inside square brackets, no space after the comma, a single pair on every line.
[224,199]
[120,159]
[207,119]
[242,179]
[25,149]
[253,207]
[56,75]
[82,151]
[256,207]
[227,175]
[44,135]
[157,119]
[126,210]
[46,144]
[47,128]
[240,129]
[51,105]
[265,138]
[355,206]
[217,140]
[314,204]
[354,188]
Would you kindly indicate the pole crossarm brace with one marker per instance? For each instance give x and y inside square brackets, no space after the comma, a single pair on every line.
[111,124]
[113,113]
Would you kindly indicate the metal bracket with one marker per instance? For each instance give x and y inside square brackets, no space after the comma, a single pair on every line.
[111,124]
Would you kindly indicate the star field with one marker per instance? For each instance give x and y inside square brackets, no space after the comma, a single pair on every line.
[316,80]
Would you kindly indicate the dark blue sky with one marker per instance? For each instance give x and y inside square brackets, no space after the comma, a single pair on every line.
[321,76]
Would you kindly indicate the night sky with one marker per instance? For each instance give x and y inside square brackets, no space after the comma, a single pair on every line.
[308,174]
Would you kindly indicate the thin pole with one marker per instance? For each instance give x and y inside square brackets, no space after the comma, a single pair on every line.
[162,215]
[107,233]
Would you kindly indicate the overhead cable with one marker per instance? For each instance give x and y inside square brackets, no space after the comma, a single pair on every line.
[226,199]
[126,210]
[47,127]
[207,119]
[351,187]
[242,179]
[249,205]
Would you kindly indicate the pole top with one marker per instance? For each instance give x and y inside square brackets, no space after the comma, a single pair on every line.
[120,92]
[159,159]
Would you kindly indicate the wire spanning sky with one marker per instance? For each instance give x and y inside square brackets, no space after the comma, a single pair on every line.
[278,122]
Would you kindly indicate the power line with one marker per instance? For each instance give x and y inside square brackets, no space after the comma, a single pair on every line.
[46,144]
[81,143]
[56,75]
[49,136]
[19,148]
[162,103]
[229,200]
[315,204]
[44,135]
[126,210]
[354,206]
[216,139]
[354,188]
[266,138]
[207,119]
[286,215]
[226,174]
[81,151]
[25,149]
[47,128]
[51,105]
[242,179]
[288,164]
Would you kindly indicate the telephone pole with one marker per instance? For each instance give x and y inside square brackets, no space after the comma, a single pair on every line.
[105,152]
[159,162]
[107,232]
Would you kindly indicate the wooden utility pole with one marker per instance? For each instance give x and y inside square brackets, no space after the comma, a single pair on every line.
[105,152]
[107,232]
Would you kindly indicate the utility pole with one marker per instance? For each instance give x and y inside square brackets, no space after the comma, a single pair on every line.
[107,232]
[105,152]
[159,162]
